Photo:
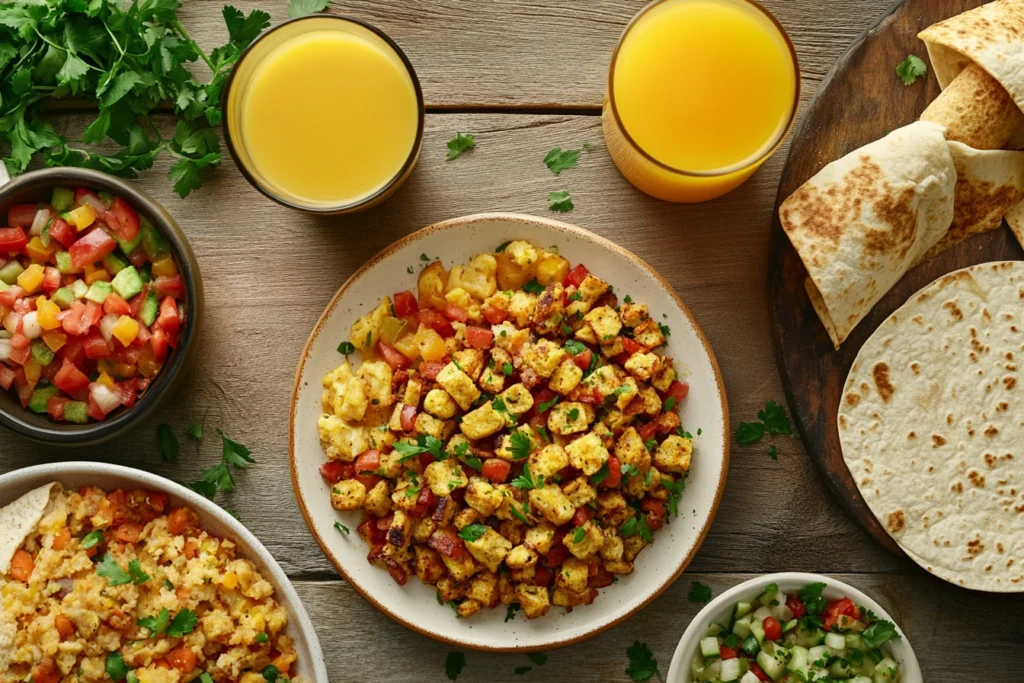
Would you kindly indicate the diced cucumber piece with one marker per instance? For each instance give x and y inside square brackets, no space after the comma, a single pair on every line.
[150,309]
[10,272]
[808,638]
[44,236]
[63,297]
[153,242]
[782,613]
[146,272]
[4,334]
[854,641]
[790,625]
[115,263]
[757,630]
[77,412]
[770,665]
[127,283]
[751,646]
[840,668]
[709,647]
[848,623]
[886,671]
[41,352]
[40,396]
[62,199]
[742,608]
[760,613]
[64,264]
[798,661]
[99,291]
[730,669]
[770,595]
[861,679]
[818,653]
[742,627]
[129,247]
[750,677]
[835,641]
[79,288]
[713,628]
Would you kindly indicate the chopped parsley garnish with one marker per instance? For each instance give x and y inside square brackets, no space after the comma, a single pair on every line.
[699,593]
[456,146]
[665,329]
[184,622]
[773,453]
[300,8]
[424,444]
[117,670]
[772,420]
[526,481]
[521,670]
[533,287]
[519,515]
[911,69]
[109,569]
[878,633]
[538,658]
[545,406]
[155,625]
[410,270]
[346,348]
[519,444]
[675,492]
[574,347]
[574,414]
[560,201]
[629,470]
[218,477]
[558,160]
[342,528]
[651,444]
[167,443]
[637,526]
[628,299]
[195,432]
[454,663]
[642,664]
[578,534]
[91,539]
[473,532]
[510,613]
[502,247]
[601,474]
[669,404]
[812,598]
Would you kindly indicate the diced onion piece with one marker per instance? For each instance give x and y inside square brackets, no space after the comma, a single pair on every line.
[107,323]
[95,202]
[105,399]
[30,325]
[39,222]
[5,349]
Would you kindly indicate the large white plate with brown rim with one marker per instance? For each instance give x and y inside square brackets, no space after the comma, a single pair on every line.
[414,605]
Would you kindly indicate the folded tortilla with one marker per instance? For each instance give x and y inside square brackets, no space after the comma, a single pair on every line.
[931,424]
[18,519]
[862,221]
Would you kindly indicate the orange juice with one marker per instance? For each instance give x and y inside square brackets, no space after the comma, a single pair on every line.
[328,118]
[700,93]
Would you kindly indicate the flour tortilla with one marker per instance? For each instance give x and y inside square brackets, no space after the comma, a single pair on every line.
[18,519]
[863,220]
[976,110]
[931,424]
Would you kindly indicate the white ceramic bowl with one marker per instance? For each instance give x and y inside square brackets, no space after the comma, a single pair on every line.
[213,518]
[414,605]
[719,609]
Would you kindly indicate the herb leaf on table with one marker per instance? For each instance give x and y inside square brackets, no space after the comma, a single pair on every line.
[911,69]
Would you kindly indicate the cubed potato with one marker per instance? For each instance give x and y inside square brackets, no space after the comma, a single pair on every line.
[440,404]
[451,589]
[643,366]
[591,540]
[612,509]
[566,377]
[632,314]
[611,549]
[649,334]
[342,440]
[605,323]
[540,538]
[562,597]
[468,608]
[478,277]
[459,385]
[534,600]
[587,453]
[521,556]
[484,588]
[365,332]
[470,361]
[400,531]
[573,574]
[579,491]
[521,307]
[445,476]
[517,399]
[461,568]
[378,500]
[431,285]
[348,494]
[483,497]
[554,505]
[429,425]
[549,314]
[570,417]
[489,549]
[429,567]
[630,450]
[465,517]
[482,422]
[552,268]
[548,461]
[673,455]
[592,288]
[543,357]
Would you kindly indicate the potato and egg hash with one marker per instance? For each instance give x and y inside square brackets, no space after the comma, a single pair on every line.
[511,434]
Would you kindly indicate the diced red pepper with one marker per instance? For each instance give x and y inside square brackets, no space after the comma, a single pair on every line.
[127,392]
[55,407]
[655,510]
[583,359]
[92,314]
[368,462]
[678,390]
[92,247]
[647,430]
[436,322]
[169,320]
[18,340]
[614,478]
[115,305]
[393,357]
[542,576]
[457,313]
[583,515]
[70,379]
[158,342]
[19,355]
[10,296]
[405,304]
[408,418]
[94,410]
[7,376]
[558,553]
[12,240]
[494,315]
[837,608]
[95,345]
[761,675]
[127,219]
[496,470]
[336,470]
[62,232]
[172,285]
[576,276]
[73,352]
[479,337]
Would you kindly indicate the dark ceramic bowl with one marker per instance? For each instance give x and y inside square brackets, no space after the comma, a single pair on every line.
[36,186]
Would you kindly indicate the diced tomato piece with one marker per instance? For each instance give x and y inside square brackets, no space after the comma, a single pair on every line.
[772,628]
[138,258]
[158,342]
[424,502]
[62,232]
[51,280]
[796,605]
[496,470]
[393,357]
[20,341]
[137,301]
[453,312]
[336,470]
[436,322]
[182,658]
[115,305]
[576,276]
[479,337]
[10,296]
[728,652]
[408,418]
[19,355]
[837,608]
[647,430]
[172,285]
[614,478]
[426,459]
[92,314]
[71,319]
[127,392]
[128,532]
[761,675]
[183,521]
[495,315]
[169,321]
[543,396]
[21,215]
[95,345]
[430,369]
[92,247]
[678,390]
[542,576]
[94,410]
[70,379]
[558,553]
[81,193]
[368,462]
[127,219]
[7,376]
[583,515]
[583,359]
[405,304]
[12,239]
[655,510]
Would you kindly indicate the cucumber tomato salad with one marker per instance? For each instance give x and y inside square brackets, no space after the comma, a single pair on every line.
[797,637]
[90,301]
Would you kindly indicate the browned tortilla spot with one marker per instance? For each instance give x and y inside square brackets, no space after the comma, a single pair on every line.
[938,440]
[852,399]
[954,310]
[975,547]
[1009,382]
[881,374]
[991,430]
[896,522]
[957,487]
[976,478]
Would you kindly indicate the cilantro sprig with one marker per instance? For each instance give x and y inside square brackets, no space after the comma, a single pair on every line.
[642,664]
[460,144]
[699,593]
[560,201]
[911,69]
[771,421]
[218,477]
[115,575]
[558,160]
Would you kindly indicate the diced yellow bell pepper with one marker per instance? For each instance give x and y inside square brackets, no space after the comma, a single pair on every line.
[125,371]
[82,217]
[32,279]
[55,339]
[106,380]
[126,329]
[165,267]
[230,581]
[148,367]
[39,253]
[94,274]
[32,371]
[47,311]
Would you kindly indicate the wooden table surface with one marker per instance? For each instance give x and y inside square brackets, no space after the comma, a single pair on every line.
[524,76]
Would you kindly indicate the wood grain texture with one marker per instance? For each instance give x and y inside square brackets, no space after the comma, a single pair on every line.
[538,53]
[813,373]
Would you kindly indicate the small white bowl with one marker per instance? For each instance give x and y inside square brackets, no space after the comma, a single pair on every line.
[213,519]
[719,609]
[414,605]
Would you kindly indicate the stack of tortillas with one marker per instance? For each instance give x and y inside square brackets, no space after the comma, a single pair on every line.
[931,423]
[864,220]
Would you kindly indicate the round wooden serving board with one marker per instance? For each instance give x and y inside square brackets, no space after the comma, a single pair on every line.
[860,101]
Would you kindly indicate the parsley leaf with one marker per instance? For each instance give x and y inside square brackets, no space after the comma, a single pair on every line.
[525,480]
[601,474]
[749,433]
[234,453]
[184,622]
[456,146]
[300,8]
[424,444]
[878,633]
[135,570]
[168,443]
[502,247]
[346,348]
[342,528]
[109,569]
[538,658]
[675,492]
[911,69]
[218,477]
[545,406]
[774,418]
[558,160]
[699,593]
[454,663]
[91,539]
[642,664]
[195,432]
[773,453]
[560,201]
[520,670]
[472,532]
[510,613]
[533,287]
[519,444]
[157,624]
[812,598]
[116,668]
[578,534]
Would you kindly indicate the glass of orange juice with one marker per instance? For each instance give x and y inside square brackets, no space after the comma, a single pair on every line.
[700,93]
[324,114]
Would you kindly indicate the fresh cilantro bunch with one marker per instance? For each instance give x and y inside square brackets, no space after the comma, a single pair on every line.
[129,59]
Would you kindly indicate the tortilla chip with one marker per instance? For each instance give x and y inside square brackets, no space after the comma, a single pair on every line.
[18,519]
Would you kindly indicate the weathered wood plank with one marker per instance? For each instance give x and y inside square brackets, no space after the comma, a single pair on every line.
[538,53]
[358,639]
[269,272]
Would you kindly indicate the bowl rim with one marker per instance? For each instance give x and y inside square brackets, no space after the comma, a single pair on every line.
[511,218]
[251,546]
[691,636]
[72,435]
